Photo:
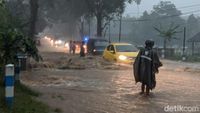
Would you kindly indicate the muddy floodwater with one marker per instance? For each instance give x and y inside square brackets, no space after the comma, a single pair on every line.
[114,91]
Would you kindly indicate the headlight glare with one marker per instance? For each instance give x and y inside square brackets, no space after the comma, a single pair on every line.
[122,57]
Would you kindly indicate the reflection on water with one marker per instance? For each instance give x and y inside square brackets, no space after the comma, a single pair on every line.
[98,91]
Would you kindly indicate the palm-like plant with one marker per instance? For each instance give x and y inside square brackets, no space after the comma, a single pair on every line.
[167,34]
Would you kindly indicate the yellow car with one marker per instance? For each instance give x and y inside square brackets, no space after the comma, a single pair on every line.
[120,52]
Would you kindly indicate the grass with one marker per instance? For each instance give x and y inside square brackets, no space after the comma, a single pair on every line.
[178,57]
[195,58]
[57,110]
[24,101]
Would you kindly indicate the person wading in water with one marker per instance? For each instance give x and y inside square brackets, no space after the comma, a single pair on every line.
[146,66]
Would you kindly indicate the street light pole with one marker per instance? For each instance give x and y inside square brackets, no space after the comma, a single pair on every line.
[183,56]
[109,33]
[82,27]
[89,27]
[120,27]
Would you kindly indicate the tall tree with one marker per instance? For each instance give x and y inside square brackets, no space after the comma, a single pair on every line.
[193,26]
[20,14]
[104,11]
[65,12]
[2,2]
[138,3]
[33,17]
[163,13]
[13,41]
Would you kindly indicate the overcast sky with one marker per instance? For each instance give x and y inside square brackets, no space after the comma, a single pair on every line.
[184,5]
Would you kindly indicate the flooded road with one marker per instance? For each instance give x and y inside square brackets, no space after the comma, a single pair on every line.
[113,91]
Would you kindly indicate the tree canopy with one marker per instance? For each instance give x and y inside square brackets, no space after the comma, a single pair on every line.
[163,14]
[104,11]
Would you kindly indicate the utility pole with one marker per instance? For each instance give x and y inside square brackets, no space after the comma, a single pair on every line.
[89,28]
[109,33]
[120,27]
[82,27]
[183,56]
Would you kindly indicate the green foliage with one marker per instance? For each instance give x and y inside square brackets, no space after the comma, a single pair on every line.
[2,2]
[68,12]
[19,15]
[27,90]
[168,33]
[189,58]
[192,26]
[5,19]
[138,2]
[62,10]
[166,8]
[24,101]
[176,57]
[12,42]
[193,58]
[71,11]
[57,110]
[105,11]
[165,13]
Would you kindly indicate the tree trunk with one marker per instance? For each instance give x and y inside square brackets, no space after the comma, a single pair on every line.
[165,47]
[192,48]
[99,25]
[33,17]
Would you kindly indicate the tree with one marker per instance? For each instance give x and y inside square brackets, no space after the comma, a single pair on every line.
[105,11]
[138,3]
[19,13]
[65,12]
[2,2]
[13,41]
[166,8]
[33,17]
[167,34]
[193,26]
[163,14]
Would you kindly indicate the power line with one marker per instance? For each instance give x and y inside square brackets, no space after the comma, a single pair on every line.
[160,18]
[187,6]
[183,7]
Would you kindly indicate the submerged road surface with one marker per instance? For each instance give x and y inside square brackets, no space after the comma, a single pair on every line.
[114,91]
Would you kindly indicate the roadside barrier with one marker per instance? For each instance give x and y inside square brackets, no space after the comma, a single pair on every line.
[9,85]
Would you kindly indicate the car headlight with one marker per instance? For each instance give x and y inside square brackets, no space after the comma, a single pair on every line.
[67,45]
[122,57]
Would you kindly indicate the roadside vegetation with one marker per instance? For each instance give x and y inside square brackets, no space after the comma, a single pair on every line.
[13,41]
[24,102]
[189,58]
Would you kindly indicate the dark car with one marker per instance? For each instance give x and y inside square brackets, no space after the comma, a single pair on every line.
[96,46]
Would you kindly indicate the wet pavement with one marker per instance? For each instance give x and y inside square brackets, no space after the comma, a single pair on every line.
[113,91]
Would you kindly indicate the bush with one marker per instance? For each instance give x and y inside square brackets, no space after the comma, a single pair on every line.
[190,58]
[193,58]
